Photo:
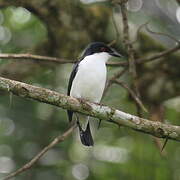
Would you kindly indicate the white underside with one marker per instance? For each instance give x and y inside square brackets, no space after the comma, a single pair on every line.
[89,82]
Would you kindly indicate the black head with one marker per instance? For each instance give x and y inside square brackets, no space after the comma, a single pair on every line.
[98,47]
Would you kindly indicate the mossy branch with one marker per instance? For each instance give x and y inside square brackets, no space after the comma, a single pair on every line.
[102,112]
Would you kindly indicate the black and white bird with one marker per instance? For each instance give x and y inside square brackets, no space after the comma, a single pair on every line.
[87,81]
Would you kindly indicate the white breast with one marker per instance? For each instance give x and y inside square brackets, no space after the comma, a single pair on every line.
[89,82]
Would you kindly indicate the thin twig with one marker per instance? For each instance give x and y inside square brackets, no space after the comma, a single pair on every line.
[148,59]
[126,40]
[47,59]
[161,34]
[131,53]
[116,30]
[117,64]
[35,57]
[28,165]
[138,32]
[115,76]
[159,55]
[137,100]
[113,64]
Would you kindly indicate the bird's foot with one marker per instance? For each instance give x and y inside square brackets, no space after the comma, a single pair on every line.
[82,100]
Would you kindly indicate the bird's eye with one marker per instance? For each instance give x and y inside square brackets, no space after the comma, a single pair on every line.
[103,49]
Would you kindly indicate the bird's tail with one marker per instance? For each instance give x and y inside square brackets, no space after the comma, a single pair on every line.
[85,135]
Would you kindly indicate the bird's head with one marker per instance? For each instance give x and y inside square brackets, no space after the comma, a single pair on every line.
[100,48]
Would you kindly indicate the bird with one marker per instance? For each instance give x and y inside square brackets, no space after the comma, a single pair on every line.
[88,79]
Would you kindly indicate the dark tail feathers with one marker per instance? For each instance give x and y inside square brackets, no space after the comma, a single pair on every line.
[85,136]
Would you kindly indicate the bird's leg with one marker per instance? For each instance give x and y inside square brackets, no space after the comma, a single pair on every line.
[77,118]
[99,123]
[71,123]
[78,123]
[82,100]
[99,119]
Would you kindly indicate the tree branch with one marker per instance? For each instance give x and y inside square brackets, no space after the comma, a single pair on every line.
[159,55]
[102,112]
[126,39]
[116,31]
[143,60]
[131,53]
[131,92]
[48,59]
[64,61]
[110,81]
[28,165]
[35,57]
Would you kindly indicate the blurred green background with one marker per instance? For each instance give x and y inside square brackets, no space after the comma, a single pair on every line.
[63,28]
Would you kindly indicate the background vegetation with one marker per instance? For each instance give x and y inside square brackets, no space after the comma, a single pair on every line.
[63,28]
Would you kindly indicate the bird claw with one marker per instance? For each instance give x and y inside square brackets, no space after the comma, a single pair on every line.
[82,100]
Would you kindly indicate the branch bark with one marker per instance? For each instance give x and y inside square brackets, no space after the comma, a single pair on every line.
[35,57]
[102,112]
[126,40]
[64,61]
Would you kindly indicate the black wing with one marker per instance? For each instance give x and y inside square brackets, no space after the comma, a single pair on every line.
[72,76]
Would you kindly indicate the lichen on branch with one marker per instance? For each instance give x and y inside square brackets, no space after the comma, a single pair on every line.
[102,112]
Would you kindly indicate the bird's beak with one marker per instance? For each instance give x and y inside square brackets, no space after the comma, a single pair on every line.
[116,54]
